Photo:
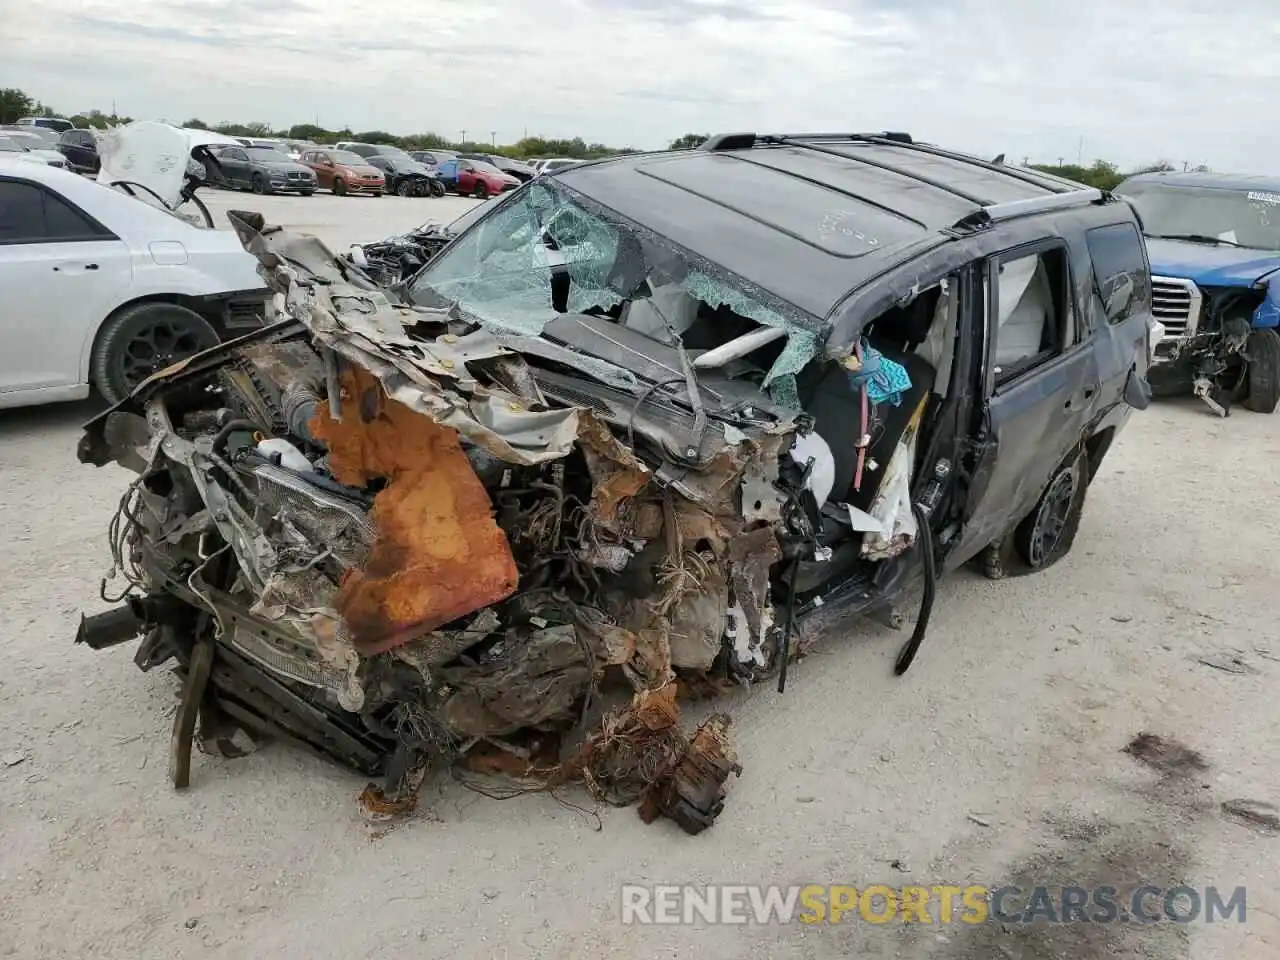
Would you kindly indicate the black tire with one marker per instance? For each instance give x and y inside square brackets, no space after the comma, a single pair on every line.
[377,193]
[1046,534]
[480,192]
[404,189]
[259,184]
[437,188]
[306,193]
[339,187]
[1263,371]
[138,340]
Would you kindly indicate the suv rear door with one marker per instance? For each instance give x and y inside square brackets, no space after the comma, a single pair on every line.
[1041,386]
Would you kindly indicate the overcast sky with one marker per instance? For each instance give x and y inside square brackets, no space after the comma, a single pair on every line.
[1138,80]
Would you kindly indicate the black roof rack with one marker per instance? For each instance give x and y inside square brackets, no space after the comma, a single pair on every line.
[744,141]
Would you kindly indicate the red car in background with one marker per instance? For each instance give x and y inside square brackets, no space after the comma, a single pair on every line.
[476,178]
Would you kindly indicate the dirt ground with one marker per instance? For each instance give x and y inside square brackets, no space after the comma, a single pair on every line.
[999,758]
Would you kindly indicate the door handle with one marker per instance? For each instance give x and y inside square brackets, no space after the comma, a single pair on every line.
[72,266]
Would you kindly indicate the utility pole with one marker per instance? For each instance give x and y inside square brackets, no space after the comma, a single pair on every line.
[1080,153]
[493,139]
[463,134]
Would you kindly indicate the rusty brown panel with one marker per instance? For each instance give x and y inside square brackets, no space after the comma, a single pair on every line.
[439,553]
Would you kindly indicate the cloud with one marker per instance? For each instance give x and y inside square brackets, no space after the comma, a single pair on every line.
[1129,82]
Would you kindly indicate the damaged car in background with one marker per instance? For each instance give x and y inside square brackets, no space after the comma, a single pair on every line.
[392,261]
[641,433]
[1214,244]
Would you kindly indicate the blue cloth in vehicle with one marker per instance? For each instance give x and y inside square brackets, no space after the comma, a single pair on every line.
[886,380]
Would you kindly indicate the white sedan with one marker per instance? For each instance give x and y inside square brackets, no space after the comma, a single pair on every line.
[20,146]
[103,289]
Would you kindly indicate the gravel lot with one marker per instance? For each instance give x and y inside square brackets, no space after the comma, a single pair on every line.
[997,759]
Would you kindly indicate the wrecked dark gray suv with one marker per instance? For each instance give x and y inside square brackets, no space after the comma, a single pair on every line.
[648,426]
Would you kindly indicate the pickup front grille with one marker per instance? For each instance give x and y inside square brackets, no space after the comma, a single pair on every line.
[1175,302]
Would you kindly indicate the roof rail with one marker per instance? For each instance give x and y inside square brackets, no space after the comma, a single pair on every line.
[744,141]
[997,212]
[1035,179]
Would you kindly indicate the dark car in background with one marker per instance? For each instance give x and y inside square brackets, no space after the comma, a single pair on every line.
[263,170]
[516,168]
[1214,244]
[80,147]
[344,172]
[405,176]
[432,158]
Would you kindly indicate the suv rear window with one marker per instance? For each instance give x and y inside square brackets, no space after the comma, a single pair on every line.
[1121,276]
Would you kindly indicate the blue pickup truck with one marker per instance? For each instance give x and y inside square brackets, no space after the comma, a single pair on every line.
[1214,244]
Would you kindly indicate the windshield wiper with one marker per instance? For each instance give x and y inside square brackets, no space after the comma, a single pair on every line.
[1194,238]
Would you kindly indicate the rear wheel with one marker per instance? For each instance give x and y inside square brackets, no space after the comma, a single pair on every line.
[142,339]
[339,187]
[1262,374]
[481,192]
[1047,533]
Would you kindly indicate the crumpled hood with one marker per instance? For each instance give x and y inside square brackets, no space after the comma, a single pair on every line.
[1210,266]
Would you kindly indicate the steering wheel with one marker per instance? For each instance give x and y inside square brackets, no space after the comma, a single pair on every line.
[128,185]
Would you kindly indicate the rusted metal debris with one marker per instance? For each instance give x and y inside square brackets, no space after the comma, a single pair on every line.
[438,554]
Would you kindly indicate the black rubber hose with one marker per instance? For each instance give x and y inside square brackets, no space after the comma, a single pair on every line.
[909,649]
[232,425]
[786,631]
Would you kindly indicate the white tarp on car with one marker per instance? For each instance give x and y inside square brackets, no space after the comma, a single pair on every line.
[153,154]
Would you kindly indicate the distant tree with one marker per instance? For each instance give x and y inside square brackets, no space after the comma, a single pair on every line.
[1102,175]
[425,141]
[378,136]
[14,104]
[1158,166]
[689,141]
[307,131]
[100,120]
[196,124]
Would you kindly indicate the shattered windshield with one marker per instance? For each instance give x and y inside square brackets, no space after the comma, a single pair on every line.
[550,251]
[1243,218]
